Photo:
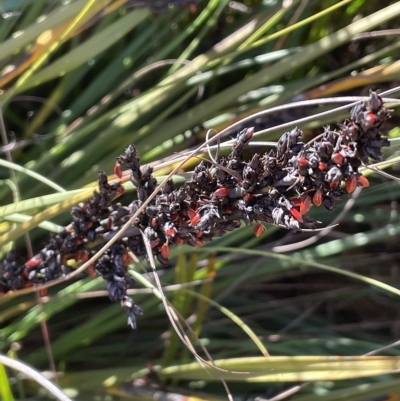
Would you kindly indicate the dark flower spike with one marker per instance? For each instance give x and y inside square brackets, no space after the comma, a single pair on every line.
[276,187]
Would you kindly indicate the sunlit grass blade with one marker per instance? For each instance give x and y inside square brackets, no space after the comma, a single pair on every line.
[47,214]
[35,375]
[89,49]
[289,369]
[311,52]
[5,388]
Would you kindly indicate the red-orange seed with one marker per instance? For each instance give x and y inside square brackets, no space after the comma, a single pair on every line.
[302,162]
[179,240]
[33,262]
[195,220]
[191,213]
[337,158]
[248,197]
[83,256]
[351,183]
[126,259]
[317,198]
[165,251]
[258,229]
[305,205]
[118,170]
[296,214]
[221,192]
[322,166]
[170,231]
[370,119]
[362,181]
[91,271]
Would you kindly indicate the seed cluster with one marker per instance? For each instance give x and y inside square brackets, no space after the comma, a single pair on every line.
[278,187]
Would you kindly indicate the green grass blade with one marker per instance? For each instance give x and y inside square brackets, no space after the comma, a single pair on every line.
[5,389]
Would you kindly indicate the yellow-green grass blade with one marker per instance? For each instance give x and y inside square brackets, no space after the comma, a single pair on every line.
[47,214]
[5,389]
[47,44]
[22,218]
[289,64]
[39,203]
[53,19]
[288,369]
[89,49]
[32,174]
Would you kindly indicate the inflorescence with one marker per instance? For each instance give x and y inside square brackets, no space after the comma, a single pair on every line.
[278,187]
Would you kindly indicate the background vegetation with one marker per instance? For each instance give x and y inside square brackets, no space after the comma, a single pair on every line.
[80,80]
